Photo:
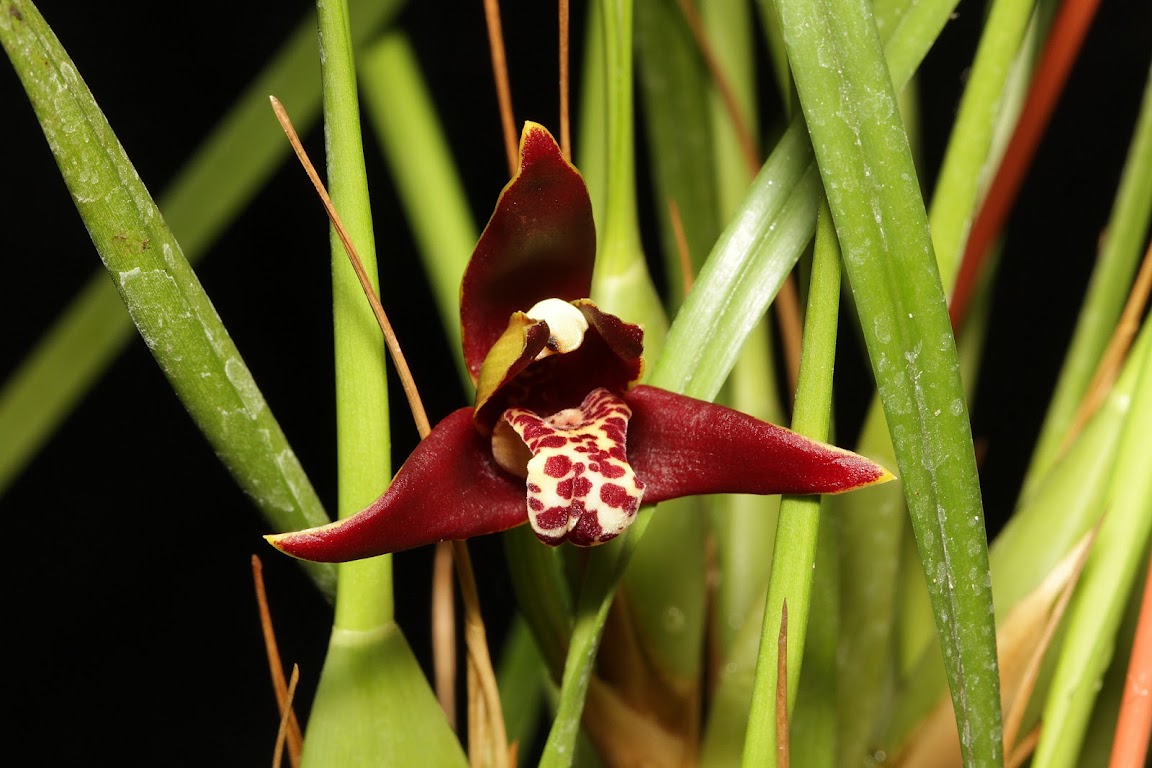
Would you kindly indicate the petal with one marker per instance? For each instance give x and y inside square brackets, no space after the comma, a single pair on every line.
[680,446]
[580,487]
[450,488]
[540,243]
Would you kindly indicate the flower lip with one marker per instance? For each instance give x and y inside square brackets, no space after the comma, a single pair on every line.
[580,485]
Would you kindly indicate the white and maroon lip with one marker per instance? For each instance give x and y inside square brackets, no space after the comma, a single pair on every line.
[580,486]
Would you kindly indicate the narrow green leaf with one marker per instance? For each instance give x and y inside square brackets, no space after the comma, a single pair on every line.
[870,527]
[163,296]
[743,527]
[363,445]
[591,149]
[764,239]
[794,553]
[1116,264]
[621,283]
[542,593]
[207,195]
[522,680]
[1042,530]
[744,272]
[361,715]
[814,731]
[665,582]
[1108,579]
[970,143]
[606,564]
[865,160]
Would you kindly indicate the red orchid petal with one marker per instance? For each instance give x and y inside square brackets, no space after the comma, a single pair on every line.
[509,356]
[680,446]
[540,243]
[450,488]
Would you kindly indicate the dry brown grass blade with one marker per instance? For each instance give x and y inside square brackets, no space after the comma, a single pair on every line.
[402,370]
[290,726]
[748,144]
[503,88]
[683,256]
[444,631]
[1024,749]
[493,738]
[782,740]
[1117,351]
[1022,640]
[285,725]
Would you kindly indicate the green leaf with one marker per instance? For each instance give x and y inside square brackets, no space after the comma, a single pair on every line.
[970,144]
[1119,255]
[522,680]
[794,552]
[377,707]
[621,284]
[850,107]
[1109,577]
[163,296]
[373,705]
[743,273]
[207,195]
[1042,530]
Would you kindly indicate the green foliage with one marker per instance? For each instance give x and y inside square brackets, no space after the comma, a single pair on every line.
[867,657]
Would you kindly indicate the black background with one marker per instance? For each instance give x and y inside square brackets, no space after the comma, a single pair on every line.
[126,636]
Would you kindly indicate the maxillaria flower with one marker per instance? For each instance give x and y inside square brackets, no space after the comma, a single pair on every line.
[560,435]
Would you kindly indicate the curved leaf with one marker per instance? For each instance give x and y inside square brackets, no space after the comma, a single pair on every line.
[164,297]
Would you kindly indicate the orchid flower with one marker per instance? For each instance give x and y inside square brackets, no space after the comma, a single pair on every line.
[561,435]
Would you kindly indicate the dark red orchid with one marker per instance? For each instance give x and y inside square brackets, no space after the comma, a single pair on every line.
[560,435]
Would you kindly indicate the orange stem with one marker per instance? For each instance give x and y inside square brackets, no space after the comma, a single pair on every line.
[683,256]
[444,631]
[290,726]
[500,72]
[565,78]
[287,720]
[1116,351]
[1060,52]
[1130,746]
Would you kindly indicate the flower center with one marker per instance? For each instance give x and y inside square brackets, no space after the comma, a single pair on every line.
[580,486]
[566,326]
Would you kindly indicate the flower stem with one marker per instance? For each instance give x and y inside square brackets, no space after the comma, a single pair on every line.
[364,594]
